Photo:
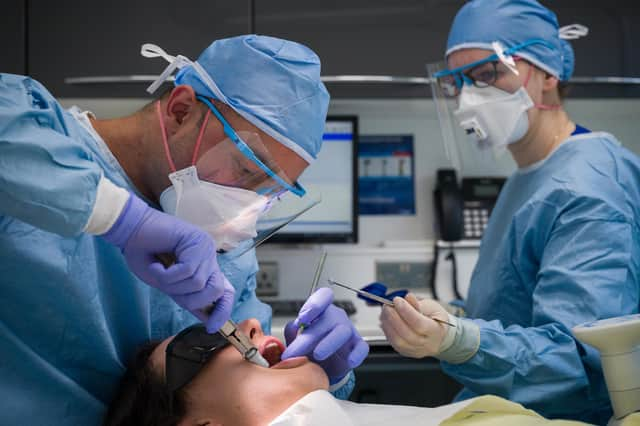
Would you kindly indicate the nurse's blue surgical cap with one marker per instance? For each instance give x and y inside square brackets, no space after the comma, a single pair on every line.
[513,22]
[273,83]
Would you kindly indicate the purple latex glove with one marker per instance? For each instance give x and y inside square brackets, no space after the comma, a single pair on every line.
[329,338]
[194,281]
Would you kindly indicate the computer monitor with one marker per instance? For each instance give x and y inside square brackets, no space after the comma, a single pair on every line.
[335,174]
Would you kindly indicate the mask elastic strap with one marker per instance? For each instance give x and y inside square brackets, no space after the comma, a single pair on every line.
[547,107]
[199,140]
[539,106]
[164,137]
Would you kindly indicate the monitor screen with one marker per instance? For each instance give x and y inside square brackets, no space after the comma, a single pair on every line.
[334,173]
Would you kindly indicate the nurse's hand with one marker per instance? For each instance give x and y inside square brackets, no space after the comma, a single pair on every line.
[409,328]
[329,338]
[194,281]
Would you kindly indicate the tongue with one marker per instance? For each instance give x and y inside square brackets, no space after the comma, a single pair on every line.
[272,354]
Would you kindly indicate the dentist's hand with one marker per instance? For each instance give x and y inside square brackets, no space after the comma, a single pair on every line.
[409,328]
[194,281]
[329,337]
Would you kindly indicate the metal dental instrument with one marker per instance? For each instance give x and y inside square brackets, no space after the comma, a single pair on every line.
[229,329]
[380,299]
[242,343]
[314,283]
[316,277]
[364,293]
[238,339]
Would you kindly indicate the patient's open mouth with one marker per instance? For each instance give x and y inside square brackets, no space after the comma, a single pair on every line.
[271,349]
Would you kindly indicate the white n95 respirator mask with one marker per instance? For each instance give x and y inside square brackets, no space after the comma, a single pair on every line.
[493,118]
[228,214]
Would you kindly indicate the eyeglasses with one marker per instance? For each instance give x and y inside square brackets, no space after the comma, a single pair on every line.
[188,352]
[483,75]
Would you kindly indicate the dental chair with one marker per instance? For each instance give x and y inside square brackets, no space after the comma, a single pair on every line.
[618,340]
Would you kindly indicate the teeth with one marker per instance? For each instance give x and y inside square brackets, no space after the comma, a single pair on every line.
[271,345]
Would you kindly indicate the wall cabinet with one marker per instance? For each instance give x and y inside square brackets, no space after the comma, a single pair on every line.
[364,37]
[13,36]
[352,37]
[611,47]
[84,39]
[386,377]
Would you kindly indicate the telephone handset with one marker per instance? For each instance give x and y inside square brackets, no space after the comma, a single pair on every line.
[448,202]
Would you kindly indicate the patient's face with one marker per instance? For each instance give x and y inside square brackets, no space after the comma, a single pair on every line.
[230,390]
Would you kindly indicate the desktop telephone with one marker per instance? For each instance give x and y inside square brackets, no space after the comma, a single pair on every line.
[462,211]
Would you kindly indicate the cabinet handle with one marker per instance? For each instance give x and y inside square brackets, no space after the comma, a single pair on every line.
[116,79]
[604,80]
[375,79]
[360,79]
[383,79]
[380,340]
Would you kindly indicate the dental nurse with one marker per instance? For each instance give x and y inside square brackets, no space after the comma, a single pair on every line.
[562,246]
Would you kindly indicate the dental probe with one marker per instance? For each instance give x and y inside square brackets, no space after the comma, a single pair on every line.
[316,277]
[380,299]
[314,283]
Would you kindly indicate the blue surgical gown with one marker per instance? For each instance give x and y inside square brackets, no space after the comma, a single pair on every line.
[71,313]
[562,247]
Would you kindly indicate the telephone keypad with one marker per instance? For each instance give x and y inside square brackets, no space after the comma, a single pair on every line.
[475,222]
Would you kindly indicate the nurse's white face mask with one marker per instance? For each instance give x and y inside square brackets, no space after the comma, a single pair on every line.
[492,117]
[227,213]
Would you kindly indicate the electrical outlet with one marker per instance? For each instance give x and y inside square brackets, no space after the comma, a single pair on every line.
[267,279]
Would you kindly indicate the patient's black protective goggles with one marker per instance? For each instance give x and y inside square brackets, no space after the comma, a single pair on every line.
[188,352]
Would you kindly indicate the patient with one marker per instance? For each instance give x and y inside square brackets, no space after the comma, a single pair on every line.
[227,389]
[211,384]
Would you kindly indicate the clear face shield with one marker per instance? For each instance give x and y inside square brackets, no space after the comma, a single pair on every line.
[482,108]
[230,187]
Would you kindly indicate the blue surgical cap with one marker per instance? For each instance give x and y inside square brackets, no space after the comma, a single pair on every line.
[273,83]
[513,22]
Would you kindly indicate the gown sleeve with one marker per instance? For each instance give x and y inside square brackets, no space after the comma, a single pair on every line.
[47,179]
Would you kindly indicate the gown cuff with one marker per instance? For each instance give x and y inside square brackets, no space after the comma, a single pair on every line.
[344,387]
[110,201]
[334,387]
[450,337]
[462,341]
